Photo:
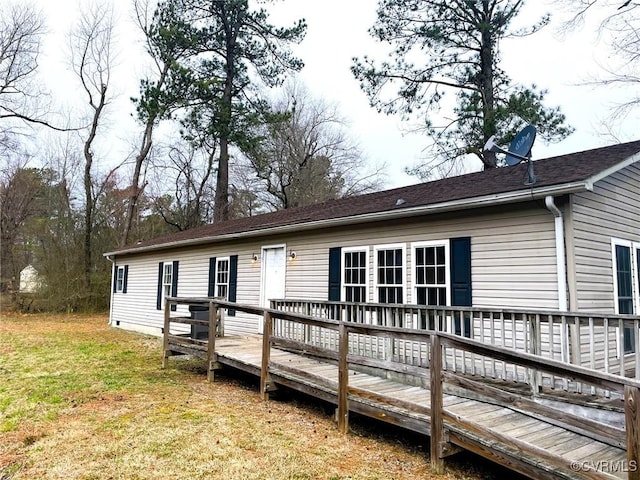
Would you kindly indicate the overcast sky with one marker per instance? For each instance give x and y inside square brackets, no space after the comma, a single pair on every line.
[337,31]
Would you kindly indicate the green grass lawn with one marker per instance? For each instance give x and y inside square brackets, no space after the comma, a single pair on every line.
[82,400]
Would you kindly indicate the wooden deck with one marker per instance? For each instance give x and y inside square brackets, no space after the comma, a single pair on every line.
[542,437]
[526,443]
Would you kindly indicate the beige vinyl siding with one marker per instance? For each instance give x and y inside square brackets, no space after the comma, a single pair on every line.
[136,310]
[512,263]
[611,210]
[512,255]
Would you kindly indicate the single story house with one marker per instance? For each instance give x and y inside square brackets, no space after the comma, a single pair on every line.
[569,242]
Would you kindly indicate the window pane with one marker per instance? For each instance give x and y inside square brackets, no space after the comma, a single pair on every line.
[381,276]
[440,255]
[354,271]
[432,296]
[120,279]
[168,267]
[431,275]
[395,275]
[624,279]
[430,260]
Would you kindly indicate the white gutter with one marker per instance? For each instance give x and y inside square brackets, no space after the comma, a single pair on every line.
[561,267]
[113,272]
[474,202]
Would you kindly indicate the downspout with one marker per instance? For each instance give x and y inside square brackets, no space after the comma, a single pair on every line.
[113,267]
[561,268]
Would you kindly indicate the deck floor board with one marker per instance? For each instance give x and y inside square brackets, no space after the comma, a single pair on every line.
[512,437]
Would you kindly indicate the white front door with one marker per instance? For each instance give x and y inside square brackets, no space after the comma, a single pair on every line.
[274,262]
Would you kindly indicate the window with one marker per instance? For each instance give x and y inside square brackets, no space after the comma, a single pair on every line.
[431,279]
[222,277]
[626,282]
[442,276]
[167,279]
[167,282]
[389,274]
[120,279]
[355,275]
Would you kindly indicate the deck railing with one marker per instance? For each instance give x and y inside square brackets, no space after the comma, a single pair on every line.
[439,347]
[607,343]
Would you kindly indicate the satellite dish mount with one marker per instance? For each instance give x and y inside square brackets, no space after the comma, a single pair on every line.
[519,150]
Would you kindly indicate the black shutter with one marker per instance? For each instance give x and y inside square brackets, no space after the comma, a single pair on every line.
[125,279]
[211,292]
[335,273]
[233,282]
[461,281]
[159,301]
[115,278]
[461,272]
[174,283]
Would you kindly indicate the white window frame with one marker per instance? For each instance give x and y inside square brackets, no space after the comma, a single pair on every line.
[218,283]
[447,269]
[634,248]
[120,279]
[166,286]
[343,283]
[376,285]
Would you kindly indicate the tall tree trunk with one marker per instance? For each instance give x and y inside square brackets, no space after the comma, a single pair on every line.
[486,88]
[134,189]
[88,184]
[221,202]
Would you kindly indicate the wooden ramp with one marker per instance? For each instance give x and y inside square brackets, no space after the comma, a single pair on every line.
[526,424]
[527,443]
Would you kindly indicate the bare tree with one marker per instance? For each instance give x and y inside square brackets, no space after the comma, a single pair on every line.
[191,166]
[20,188]
[619,23]
[22,99]
[92,59]
[155,102]
[305,155]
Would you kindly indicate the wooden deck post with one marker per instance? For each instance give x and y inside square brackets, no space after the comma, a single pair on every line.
[211,342]
[631,399]
[535,347]
[343,380]
[266,355]
[437,427]
[166,353]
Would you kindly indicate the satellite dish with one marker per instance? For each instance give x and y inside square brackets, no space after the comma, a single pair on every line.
[521,145]
[519,150]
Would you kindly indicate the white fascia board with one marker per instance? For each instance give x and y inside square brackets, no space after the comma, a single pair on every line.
[463,204]
[611,170]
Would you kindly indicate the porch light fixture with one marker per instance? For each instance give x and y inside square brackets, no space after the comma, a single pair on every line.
[292,255]
[254,257]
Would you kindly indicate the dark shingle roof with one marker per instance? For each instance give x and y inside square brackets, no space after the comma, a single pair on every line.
[556,171]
